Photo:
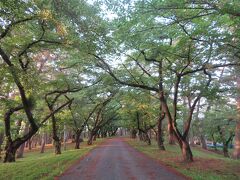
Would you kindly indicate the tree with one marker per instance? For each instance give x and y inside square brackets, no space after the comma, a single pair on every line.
[104,114]
[224,122]
[79,121]
[139,114]
[16,52]
[28,29]
[185,54]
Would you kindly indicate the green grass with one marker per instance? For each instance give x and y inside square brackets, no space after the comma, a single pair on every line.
[43,166]
[206,165]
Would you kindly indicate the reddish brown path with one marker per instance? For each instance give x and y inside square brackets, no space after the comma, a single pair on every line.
[116,160]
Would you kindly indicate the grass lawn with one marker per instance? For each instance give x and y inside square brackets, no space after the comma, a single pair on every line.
[206,166]
[43,166]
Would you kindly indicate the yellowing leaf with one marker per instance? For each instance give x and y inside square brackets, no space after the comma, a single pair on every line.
[46,14]
[61,29]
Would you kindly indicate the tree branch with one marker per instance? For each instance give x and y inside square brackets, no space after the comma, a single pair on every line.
[107,68]
[8,28]
[55,111]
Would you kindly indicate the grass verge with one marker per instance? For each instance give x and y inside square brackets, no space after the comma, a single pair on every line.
[206,166]
[43,166]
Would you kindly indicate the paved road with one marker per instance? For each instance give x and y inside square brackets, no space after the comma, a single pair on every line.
[116,160]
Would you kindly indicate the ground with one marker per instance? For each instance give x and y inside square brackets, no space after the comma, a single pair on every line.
[207,165]
[116,160]
[35,165]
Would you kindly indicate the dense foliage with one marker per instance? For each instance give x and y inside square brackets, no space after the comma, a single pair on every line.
[94,68]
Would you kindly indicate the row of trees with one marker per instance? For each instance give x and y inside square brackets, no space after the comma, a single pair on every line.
[46,73]
[186,53]
[168,67]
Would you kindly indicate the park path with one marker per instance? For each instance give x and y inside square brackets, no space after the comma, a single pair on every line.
[116,160]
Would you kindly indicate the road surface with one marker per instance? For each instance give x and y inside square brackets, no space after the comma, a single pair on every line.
[116,160]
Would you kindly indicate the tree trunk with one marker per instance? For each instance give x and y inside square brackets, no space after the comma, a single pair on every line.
[20,151]
[77,140]
[10,153]
[147,138]
[30,144]
[1,141]
[90,139]
[171,137]
[21,148]
[215,145]
[160,135]
[236,152]
[121,132]
[12,146]
[57,145]
[159,128]
[133,133]
[43,142]
[186,151]
[49,139]
[225,150]
[200,131]
[203,142]
[35,142]
[140,136]
[57,142]
[65,138]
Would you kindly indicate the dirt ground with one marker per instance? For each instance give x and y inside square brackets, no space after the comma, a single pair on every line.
[116,160]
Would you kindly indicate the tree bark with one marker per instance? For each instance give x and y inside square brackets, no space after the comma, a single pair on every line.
[163,104]
[43,142]
[65,137]
[203,142]
[224,141]
[57,142]
[90,139]
[140,135]
[57,145]
[1,141]
[159,125]
[148,139]
[200,131]
[77,140]
[236,152]
[10,153]
[214,143]
[30,144]
[225,149]
[186,151]
[12,145]
[160,135]
[171,137]
[20,151]
[133,133]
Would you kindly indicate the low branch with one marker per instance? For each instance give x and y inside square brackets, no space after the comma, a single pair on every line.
[55,111]
[107,68]
[209,66]
[8,28]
